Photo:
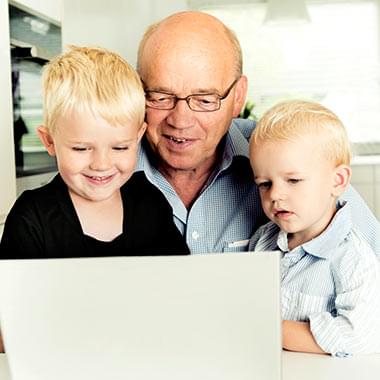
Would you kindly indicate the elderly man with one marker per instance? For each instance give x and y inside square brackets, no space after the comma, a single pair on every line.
[194,151]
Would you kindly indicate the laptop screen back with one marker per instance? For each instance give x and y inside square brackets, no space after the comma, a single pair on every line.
[213,316]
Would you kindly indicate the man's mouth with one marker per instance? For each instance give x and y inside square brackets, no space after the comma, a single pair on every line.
[177,140]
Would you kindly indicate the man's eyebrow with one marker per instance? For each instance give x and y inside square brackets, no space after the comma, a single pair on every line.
[159,89]
[206,91]
[196,91]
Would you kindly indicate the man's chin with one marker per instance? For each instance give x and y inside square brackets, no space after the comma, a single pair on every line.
[178,165]
[175,160]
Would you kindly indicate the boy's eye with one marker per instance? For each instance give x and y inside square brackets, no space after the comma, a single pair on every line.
[79,148]
[264,185]
[294,180]
[120,148]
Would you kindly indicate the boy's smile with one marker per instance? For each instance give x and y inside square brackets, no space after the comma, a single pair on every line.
[94,157]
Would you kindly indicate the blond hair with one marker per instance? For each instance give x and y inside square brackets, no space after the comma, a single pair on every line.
[92,80]
[295,119]
[229,33]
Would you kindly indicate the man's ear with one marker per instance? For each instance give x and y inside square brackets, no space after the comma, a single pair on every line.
[46,139]
[342,176]
[240,95]
[141,131]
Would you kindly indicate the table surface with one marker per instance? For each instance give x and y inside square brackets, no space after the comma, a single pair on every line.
[298,366]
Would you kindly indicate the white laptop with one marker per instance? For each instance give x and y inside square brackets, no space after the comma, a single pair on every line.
[197,317]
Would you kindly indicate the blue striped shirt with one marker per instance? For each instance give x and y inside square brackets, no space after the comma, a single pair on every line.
[332,281]
[228,210]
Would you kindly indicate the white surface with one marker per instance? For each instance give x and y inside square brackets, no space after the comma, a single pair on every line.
[298,366]
[366,180]
[97,319]
[366,160]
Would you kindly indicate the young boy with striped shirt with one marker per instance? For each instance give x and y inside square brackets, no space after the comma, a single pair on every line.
[300,155]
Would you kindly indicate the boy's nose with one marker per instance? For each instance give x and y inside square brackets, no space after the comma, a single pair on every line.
[277,194]
[100,161]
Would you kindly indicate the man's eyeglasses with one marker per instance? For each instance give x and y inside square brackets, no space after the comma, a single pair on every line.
[197,102]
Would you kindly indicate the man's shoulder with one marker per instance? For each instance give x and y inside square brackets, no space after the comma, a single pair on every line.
[244,126]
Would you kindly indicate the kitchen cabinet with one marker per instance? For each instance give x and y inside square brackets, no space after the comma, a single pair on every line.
[51,10]
[7,163]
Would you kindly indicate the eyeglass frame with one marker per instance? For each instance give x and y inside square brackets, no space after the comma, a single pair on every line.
[188,98]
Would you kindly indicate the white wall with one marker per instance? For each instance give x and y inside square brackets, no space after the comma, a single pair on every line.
[114,24]
[7,164]
[366,180]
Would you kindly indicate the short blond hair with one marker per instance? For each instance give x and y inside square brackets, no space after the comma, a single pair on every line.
[294,119]
[229,33]
[92,80]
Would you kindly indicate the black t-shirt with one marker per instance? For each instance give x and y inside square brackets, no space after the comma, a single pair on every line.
[43,224]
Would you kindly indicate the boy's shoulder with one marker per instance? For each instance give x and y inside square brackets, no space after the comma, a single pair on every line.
[42,197]
[353,248]
[139,184]
[140,189]
[265,238]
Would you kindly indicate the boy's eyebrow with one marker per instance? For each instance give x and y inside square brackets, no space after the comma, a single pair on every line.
[289,173]
[292,173]
[91,142]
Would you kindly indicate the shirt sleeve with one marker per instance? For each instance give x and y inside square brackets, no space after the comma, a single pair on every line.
[363,219]
[354,326]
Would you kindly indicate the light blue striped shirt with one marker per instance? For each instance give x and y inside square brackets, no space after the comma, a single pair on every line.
[333,281]
[228,210]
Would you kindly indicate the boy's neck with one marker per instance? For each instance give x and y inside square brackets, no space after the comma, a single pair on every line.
[299,238]
[92,214]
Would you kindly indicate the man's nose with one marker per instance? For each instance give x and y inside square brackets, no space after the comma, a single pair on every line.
[181,116]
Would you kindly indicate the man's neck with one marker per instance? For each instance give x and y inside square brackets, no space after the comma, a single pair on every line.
[188,184]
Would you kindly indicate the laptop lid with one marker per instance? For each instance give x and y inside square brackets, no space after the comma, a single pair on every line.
[214,316]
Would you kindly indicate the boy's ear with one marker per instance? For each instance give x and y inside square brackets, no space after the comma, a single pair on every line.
[46,139]
[342,176]
[141,132]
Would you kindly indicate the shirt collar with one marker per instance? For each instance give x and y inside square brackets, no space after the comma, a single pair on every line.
[143,161]
[330,239]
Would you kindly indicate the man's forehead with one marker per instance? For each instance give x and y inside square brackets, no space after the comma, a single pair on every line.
[184,85]
[183,71]
[185,51]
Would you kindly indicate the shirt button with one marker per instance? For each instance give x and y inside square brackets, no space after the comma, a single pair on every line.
[195,235]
